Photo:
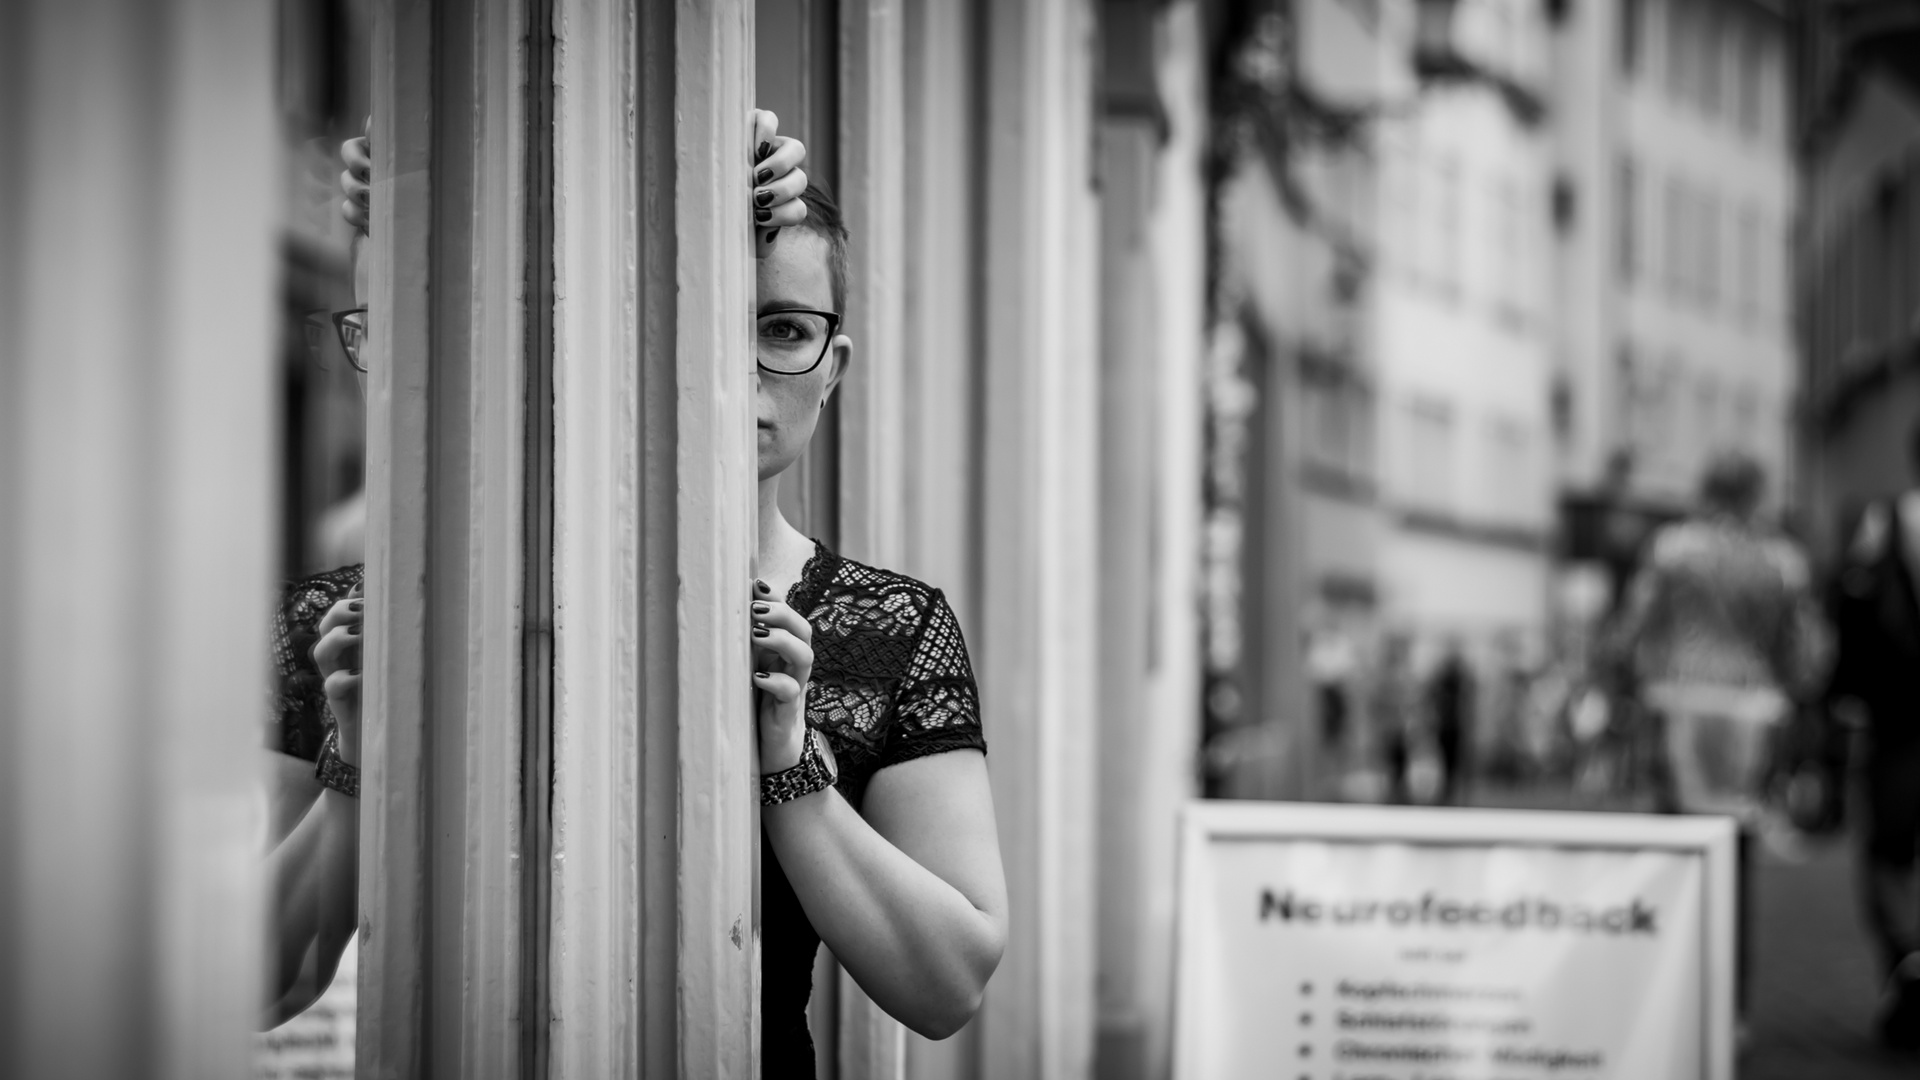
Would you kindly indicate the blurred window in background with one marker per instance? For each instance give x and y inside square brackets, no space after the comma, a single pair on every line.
[1632,28]
[1430,451]
[1445,249]
[1747,53]
[1710,45]
[1624,388]
[1511,473]
[1510,252]
[1707,247]
[1746,273]
[1627,190]
[1679,50]
[1676,247]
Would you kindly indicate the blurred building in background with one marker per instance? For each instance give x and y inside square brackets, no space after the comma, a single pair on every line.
[1463,327]
[1674,204]
[1859,321]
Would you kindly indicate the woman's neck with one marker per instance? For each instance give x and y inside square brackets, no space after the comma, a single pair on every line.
[783,550]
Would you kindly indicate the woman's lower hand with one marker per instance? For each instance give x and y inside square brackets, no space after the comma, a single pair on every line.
[337,655]
[783,663]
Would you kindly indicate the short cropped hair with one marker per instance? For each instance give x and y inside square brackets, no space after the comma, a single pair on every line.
[825,221]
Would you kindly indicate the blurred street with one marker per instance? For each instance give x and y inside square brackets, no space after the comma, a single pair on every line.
[1815,991]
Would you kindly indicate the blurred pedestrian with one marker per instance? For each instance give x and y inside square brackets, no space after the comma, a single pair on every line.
[1396,708]
[1723,634]
[1450,698]
[1877,678]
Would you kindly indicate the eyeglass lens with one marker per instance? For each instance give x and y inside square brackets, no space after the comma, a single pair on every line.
[352,326]
[792,342]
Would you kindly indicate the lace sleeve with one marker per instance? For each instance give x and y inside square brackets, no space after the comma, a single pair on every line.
[297,716]
[937,706]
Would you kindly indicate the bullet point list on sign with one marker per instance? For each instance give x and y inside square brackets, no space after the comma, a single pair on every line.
[1306,1019]
[1306,988]
[1305,1050]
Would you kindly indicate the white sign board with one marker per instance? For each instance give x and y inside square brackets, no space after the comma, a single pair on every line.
[1372,943]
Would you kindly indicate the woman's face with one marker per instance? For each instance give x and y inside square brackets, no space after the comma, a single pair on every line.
[794,275]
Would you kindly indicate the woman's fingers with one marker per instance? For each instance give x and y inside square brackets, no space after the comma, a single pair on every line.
[766,131]
[797,655]
[792,213]
[781,687]
[356,181]
[338,650]
[344,686]
[776,194]
[347,612]
[779,616]
[786,157]
[358,158]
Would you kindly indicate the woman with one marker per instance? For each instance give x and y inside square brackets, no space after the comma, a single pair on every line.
[877,820]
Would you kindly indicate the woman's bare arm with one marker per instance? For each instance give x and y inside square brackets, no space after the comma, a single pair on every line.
[911,898]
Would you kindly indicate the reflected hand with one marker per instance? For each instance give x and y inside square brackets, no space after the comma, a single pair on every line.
[356,180]
[778,180]
[337,655]
[783,663]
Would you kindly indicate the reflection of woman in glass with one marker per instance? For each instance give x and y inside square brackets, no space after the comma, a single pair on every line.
[314,823]
[877,821]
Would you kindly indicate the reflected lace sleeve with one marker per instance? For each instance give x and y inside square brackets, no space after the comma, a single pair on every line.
[297,712]
[937,706]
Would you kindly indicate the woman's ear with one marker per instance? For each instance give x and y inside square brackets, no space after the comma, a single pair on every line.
[840,355]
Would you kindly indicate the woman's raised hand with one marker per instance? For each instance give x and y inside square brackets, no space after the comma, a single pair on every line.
[337,655]
[782,662]
[356,180]
[778,180]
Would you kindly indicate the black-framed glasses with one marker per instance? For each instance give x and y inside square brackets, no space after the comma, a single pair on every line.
[349,328]
[793,341]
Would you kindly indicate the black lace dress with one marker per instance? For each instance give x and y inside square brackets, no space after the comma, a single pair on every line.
[298,716]
[891,682]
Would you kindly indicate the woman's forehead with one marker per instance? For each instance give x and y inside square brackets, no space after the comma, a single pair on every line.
[795,274]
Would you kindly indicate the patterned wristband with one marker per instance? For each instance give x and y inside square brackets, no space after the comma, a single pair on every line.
[810,775]
[333,772]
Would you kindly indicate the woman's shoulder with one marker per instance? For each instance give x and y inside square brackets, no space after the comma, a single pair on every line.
[305,600]
[857,596]
[303,603]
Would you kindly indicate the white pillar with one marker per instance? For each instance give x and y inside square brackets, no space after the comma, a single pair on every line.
[1037,643]
[655,821]
[137,292]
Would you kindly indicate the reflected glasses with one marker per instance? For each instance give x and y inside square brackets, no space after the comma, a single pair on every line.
[794,341]
[349,327]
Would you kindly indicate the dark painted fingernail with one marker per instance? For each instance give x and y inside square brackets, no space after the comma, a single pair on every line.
[759,674]
[353,671]
[762,198]
[762,177]
[761,585]
[761,609]
[771,233]
[765,149]
[761,631]
[354,629]
[355,606]
[763,215]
